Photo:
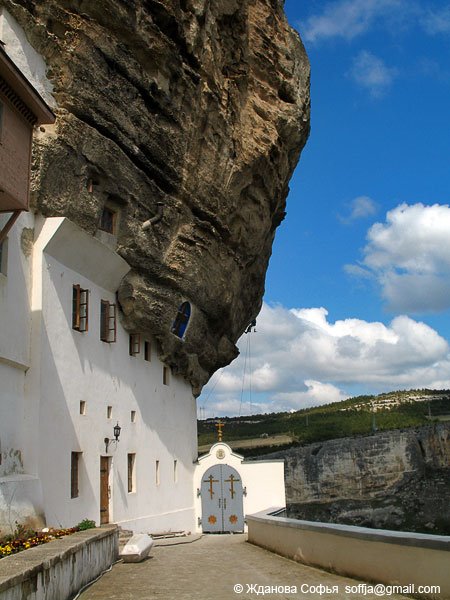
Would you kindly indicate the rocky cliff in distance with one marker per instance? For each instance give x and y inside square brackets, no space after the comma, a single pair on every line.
[397,479]
[200,105]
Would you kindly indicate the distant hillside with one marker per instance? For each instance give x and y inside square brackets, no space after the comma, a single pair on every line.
[356,416]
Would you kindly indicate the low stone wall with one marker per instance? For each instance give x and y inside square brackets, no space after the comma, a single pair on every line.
[59,569]
[389,557]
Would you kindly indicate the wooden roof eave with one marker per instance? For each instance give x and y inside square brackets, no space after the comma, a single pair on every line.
[26,92]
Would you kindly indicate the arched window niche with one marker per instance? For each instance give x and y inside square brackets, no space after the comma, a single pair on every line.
[181,320]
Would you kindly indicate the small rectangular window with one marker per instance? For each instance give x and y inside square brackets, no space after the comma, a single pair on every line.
[108,220]
[133,416]
[80,308]
[91,184]
[74,471]
[108,412]
[108,321]
[135,344]
[157,472]
[82,407]
[175,471]
[147,351]
[131,472]
[165,375]
[4,257]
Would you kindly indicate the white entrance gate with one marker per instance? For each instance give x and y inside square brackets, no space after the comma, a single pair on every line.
[222,500]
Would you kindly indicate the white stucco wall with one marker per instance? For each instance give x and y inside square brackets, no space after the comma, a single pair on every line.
[78,366]
[15,288]
[47,368]
[11,418]
[21,502]
[20,490]
[263,480]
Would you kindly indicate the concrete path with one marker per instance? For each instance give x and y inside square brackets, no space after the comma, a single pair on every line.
[210,567]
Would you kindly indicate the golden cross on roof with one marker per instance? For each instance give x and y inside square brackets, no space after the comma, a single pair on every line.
[219,426]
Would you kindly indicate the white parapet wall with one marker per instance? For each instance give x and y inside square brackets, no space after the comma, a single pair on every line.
[417,560]
[59,569]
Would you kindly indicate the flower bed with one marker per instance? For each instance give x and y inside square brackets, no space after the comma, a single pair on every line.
[23,539]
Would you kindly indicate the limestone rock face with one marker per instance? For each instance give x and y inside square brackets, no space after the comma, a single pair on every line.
[395,479]
[364,467]
[201,105]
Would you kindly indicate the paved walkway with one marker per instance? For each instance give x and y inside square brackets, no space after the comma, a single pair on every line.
[209,568]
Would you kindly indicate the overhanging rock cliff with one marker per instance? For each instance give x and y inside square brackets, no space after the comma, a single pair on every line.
[192,110]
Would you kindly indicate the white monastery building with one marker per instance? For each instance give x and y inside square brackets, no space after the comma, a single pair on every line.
[78,380]
[92,423]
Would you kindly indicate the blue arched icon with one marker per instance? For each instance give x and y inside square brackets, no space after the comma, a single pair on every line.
[181,320]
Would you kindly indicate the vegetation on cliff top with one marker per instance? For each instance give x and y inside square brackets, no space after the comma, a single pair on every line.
[361,415]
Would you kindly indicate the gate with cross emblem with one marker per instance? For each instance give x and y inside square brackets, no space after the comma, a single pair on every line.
[222,500]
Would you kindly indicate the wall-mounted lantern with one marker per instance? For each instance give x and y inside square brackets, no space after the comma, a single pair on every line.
[117,429]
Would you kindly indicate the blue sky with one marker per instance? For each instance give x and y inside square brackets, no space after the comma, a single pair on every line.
[358,289]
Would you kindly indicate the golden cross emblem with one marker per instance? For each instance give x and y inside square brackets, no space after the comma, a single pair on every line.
[232,481]
[219,426]
[211,480]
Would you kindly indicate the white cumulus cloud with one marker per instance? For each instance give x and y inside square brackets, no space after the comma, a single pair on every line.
[301,358]
[409,255]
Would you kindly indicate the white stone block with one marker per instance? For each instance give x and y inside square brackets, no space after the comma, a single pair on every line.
[137,548]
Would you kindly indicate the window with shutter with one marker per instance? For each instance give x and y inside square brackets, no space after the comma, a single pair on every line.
[135,344]
[108,321]
[80,308]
